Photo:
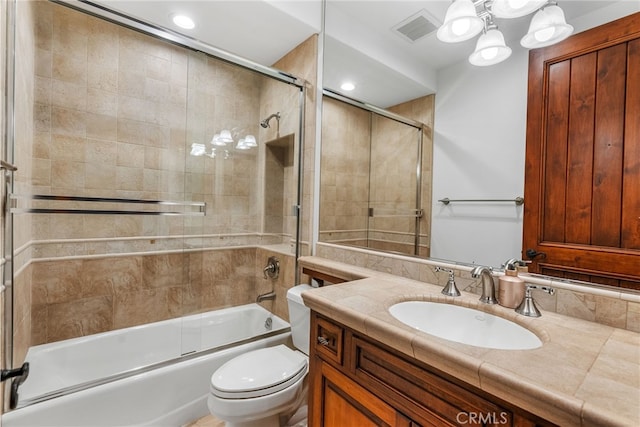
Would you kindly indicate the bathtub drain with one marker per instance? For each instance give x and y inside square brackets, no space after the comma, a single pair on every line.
[268,323]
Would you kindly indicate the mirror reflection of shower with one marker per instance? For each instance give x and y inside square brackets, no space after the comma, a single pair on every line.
[265,122]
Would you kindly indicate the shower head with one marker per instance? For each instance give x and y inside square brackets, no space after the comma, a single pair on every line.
[265,122]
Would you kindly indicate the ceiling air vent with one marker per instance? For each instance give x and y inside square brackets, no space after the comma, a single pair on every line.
[417,26]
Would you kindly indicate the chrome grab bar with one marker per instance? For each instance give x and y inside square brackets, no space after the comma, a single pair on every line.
[415,213]
[202,206]
[518,200]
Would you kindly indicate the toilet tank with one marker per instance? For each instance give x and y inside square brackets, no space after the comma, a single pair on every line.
[299,318]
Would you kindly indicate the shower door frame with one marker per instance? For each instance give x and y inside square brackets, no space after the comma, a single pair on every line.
[420,127]
[8,131]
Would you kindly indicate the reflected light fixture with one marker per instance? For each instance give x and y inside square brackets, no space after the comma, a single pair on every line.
[348,86]
[182,21]
[462,22]
[250,141]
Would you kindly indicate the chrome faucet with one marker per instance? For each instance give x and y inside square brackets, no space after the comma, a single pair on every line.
[268,295]
[528,306]
[488,286]
[450,289]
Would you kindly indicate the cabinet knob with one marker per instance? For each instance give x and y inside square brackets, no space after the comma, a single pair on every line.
[323,341]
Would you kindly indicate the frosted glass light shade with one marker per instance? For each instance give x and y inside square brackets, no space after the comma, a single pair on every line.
[250,141]
[197,149]
[515,8]
[460,22]
[242,145]
[217,141]
[490,49]
[548,26]
[225,136]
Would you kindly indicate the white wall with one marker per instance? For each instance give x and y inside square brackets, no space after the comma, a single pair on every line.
[479,143]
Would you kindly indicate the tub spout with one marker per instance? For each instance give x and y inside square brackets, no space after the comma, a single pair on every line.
[268,295]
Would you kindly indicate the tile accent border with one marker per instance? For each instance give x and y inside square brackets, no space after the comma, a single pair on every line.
[600,304]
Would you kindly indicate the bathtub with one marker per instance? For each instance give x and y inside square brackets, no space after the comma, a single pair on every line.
[155,375]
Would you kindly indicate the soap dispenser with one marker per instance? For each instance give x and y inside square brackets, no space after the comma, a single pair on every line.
[512,288]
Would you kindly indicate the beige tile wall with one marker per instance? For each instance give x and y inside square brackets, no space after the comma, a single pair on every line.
[344,173]
[353,145]
[114,114]
[80,297]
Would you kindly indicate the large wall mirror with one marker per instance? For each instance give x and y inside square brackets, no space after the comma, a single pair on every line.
[392,57]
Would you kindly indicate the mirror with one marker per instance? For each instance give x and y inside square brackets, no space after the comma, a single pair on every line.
[373,168]
[479,114]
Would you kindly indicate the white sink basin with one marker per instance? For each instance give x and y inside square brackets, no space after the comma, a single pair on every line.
[464,325]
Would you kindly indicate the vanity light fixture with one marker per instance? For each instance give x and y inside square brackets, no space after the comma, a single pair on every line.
[548,26]
[182,21]
[250,141]
[462,22]
[490,48]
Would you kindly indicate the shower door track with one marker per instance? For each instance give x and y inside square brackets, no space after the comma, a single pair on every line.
[141,370]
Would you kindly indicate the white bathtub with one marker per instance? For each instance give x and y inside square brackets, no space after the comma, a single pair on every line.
[168,395]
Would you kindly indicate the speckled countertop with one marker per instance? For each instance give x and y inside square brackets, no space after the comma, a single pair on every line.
[584,374]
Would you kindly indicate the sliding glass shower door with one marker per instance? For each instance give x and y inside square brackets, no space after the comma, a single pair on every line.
[394,186]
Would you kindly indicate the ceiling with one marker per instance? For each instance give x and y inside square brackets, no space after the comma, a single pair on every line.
[361,43]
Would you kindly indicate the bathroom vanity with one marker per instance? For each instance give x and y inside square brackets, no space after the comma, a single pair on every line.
[368,368]
[358,381]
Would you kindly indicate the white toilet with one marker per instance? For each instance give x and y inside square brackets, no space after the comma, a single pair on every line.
[255,388]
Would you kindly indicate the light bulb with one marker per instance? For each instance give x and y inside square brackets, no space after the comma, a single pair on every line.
[517,4]
[183,21]
[544,34]
[489,53]
[460,26]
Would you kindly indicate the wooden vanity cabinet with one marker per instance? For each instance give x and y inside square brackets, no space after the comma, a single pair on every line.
[356,381]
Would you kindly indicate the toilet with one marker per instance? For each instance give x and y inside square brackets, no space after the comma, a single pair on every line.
[257,387]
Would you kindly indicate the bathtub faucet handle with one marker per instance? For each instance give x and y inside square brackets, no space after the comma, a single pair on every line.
[272,270]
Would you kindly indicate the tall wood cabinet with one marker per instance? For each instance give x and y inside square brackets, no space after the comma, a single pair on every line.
[582,171]
[358,382]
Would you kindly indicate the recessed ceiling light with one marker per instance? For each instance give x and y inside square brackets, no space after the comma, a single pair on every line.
[183,21]
[348,86]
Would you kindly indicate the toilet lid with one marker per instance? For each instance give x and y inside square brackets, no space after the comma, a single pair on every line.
[259,372]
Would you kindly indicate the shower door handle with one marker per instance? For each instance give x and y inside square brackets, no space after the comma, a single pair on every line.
[22,371]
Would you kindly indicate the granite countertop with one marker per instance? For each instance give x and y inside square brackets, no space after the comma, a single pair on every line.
[585,373]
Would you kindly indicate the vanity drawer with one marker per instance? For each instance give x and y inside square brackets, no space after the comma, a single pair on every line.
[427,398]
[328,339]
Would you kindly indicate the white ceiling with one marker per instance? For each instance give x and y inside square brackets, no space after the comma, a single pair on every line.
[361,44]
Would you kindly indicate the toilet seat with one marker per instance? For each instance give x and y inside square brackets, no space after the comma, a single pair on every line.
[259,373]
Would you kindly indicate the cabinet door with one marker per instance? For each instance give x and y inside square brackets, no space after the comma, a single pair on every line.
[582,211]
[343,403]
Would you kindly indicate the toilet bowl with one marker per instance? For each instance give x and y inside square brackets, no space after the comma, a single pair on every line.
[256,388]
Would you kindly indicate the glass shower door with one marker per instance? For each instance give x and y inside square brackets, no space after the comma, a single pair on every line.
[394,193]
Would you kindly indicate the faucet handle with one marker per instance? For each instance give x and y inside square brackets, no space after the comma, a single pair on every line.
[450,289]
[528,305]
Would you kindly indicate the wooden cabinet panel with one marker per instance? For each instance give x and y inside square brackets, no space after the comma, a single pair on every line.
[346,404]
[608,146]
[580,149]
[631,182]
[424,396]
